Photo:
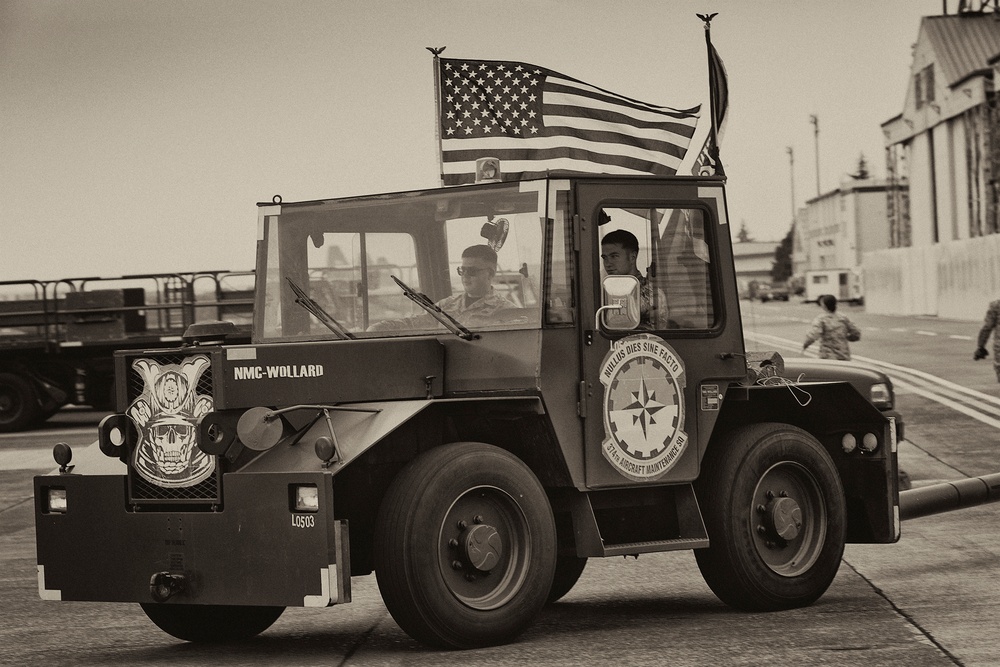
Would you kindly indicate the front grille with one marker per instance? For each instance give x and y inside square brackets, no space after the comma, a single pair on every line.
[143,491]
[159,390]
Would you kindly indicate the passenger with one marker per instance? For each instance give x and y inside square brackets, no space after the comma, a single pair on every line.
[619,252]
[833,331]
[476,305]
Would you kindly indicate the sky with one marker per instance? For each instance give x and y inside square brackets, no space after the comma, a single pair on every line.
[137,136]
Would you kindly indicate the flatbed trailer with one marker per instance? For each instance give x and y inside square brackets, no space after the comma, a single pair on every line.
[58,337]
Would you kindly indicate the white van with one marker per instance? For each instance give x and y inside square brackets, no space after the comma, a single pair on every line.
[845,284]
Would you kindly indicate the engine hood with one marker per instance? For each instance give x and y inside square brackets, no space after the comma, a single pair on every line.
[826,370]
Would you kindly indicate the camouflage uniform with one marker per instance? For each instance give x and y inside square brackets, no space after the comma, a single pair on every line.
[646,320]
[831,330]
[480,312]
[991,324]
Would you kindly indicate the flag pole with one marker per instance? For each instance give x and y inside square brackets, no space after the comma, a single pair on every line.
[713,149]
[437,106]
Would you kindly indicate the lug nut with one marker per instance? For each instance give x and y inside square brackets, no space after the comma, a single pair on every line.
[783,494]
[770,495]
[762,530]
[470,577]
[761,509]
[456,565]
[462,525]
[453,543]
[477,519]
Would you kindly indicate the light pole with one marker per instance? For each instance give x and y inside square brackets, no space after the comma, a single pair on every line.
[815,121]
[791,169]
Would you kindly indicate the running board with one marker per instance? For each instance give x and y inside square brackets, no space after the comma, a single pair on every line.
[652,547]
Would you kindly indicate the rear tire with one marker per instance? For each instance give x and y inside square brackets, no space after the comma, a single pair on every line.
[775,512]
[211,623]
[19,407]
[465,547]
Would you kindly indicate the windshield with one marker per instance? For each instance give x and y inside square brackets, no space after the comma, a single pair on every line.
[404,264]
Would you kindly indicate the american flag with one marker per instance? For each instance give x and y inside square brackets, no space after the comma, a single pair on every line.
[536,120]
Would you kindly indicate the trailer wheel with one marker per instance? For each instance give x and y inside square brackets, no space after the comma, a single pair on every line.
[568,571]
[211,623]
[774,509]
[18,403]
[465,547]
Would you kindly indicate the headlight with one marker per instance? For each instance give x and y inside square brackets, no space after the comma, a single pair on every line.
[881,396]
[305,498]
[55,501]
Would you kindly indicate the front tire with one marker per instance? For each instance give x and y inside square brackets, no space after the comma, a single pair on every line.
[775,512]
[465,547]
[568,572]
[211,623]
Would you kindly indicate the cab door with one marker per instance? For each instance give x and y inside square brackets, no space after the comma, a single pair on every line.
[653,393]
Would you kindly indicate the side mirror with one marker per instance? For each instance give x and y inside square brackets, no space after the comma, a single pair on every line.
[621,303]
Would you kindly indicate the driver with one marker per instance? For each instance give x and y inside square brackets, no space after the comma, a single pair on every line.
[619,251]
[476,305]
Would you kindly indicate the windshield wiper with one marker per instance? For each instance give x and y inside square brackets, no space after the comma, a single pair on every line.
[435,311]
[317,311]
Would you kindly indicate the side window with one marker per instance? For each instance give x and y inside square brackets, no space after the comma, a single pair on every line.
[667,251]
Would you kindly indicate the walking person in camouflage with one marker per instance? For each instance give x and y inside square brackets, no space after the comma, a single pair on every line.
[991,324]
[833,330]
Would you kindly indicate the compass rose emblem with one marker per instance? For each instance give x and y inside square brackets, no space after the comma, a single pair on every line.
[643,407]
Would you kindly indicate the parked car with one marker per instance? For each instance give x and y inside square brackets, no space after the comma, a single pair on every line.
[777,292]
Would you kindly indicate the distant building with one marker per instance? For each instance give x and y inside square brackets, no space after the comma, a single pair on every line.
[945,250]
[753,261]
[833,230]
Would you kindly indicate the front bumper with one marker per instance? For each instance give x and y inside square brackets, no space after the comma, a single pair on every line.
[254,550]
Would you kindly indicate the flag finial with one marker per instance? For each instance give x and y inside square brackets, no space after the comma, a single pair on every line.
[437,51]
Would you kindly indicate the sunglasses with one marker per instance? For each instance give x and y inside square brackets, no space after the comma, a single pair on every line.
[470,270]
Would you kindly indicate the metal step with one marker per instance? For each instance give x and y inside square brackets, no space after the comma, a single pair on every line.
[676,544]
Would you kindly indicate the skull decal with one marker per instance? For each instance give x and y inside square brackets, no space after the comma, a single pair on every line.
[166,416]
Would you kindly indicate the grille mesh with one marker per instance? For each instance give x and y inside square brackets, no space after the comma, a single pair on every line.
[143,492]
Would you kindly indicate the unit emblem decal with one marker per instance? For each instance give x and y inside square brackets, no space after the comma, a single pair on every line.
[643,382]
[166,416]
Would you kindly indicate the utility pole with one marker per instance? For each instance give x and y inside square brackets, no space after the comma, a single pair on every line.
[791,169]
[815,121]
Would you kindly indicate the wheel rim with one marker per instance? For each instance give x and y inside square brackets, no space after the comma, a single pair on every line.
[484,548]
[788,519]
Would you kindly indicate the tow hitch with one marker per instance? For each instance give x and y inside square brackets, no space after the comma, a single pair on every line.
[164,585]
